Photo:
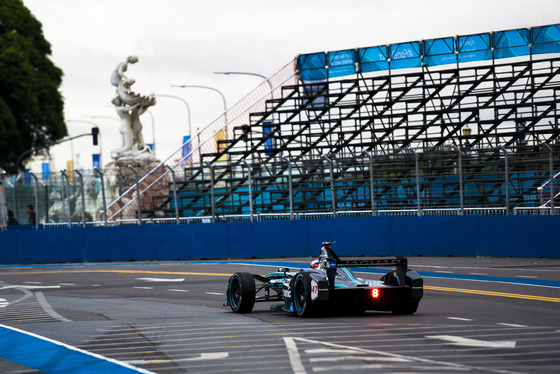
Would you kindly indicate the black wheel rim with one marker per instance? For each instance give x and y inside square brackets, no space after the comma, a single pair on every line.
[235,293]
[299,294]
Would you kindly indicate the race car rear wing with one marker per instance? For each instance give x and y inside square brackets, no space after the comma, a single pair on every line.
[328,254]
[397,261]
[331,261]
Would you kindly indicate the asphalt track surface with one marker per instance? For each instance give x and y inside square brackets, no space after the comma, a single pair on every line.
[478,315]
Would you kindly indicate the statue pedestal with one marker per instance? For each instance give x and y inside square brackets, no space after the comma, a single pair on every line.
[121,178]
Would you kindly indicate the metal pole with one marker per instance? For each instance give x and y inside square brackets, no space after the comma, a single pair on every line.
[290,187]
[14,192]
[83,197]
[501,147]
[371,190]
[188,110]
[36,200]
[153,131]
[20,158]
[333,194]
[66,200]
[551,170]
[174,193]
[208,88]
[212,201]
[62,196]
[3,206]
[461,191]
[97,171]
[46,202]
[99,137]
[247,73]
[137,193]
[250,188]
[417,170]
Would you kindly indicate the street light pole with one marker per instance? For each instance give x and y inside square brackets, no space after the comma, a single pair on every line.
[248,73]
[208,88]
[20,158]
[188,109]
[153,131]
[100,141]
[240,73]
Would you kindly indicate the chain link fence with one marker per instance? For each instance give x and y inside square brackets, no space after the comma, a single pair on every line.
[450,181]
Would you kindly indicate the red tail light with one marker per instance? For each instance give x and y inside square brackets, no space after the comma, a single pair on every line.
[375,293]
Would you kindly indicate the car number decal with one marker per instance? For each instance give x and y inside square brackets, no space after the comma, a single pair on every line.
[314,290]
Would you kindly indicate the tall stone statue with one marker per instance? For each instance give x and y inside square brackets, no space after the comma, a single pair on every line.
[130,106]
[133,153]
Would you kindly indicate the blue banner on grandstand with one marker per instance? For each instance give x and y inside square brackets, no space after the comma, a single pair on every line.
[268,143]
[186,148]
[474,47]
[373,59]
[440,51]
[45,171]
[342,63]
[95,161]
[511,43]
[312,67]
[546,39]
[435,52]
[405,55]
[27,176]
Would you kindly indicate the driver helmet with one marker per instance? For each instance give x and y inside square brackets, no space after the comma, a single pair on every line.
[314,264]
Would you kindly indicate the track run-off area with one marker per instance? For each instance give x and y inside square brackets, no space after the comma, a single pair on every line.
[478,315]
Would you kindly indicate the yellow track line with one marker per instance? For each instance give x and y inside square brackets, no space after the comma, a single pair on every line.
[433,288]
[492,293]
[122,271]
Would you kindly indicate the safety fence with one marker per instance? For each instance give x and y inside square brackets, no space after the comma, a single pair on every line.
[65,198]
[449,182]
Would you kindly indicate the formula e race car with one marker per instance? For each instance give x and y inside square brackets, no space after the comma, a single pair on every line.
[329,285]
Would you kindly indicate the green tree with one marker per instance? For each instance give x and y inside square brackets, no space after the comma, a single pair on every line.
[31,106]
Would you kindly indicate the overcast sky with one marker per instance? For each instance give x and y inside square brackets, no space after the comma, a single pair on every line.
[186,41]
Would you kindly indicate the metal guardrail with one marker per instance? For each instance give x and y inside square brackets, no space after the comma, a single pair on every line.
[481,211]
[534,211]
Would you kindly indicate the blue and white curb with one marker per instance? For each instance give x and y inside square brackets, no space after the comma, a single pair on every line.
[51,356]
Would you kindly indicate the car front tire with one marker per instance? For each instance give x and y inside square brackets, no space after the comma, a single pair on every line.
[241,292]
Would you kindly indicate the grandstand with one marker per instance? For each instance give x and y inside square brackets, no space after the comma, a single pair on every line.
[457,125]
[449,126]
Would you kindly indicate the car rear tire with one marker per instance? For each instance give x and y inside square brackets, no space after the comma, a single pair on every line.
[301,293]
[241,292]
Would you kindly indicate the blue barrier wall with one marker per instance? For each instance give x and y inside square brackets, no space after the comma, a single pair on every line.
[493,236]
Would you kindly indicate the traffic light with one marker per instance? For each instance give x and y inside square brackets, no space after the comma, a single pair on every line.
[94,134]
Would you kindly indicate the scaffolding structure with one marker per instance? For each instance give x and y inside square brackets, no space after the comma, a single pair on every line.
[404,134]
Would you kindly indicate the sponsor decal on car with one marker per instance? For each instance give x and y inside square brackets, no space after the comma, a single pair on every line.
[314,289]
